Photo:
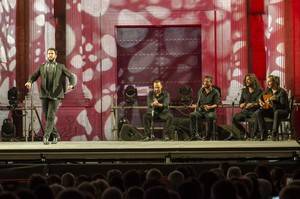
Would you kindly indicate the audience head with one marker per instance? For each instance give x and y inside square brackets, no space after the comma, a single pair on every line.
[234,172]
[154,174]
[224,189]
[134,193]
[70,193]
[131,178]
[190,189]
[112,193]
[53,179]
[36,180]
[87,188]
[290,192]
[208,178]
[265,188]
[113,172]
[26,194]
[56,189]
[157,192]
[8,195]
[43,192]
[175,178]
[68,180]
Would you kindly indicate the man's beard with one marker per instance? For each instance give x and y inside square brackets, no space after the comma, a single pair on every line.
[51,60]
[249,85]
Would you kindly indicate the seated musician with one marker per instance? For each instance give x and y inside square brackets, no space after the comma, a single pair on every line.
[205,109]
[158,108]
[248,103]
[274,104]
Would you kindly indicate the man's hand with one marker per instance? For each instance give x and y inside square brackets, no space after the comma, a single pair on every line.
[249,105]
[242,105]
[206,107]
[273,98]
[28,85]
[70,87]
[261,103]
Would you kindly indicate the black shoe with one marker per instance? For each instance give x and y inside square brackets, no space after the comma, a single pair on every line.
[196,137]
[55,140]
[262,137]
[167,138]
[149,138]
[275,136]
[46,140]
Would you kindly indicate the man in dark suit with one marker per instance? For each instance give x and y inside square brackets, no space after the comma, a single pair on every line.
[158,108]
[52,90]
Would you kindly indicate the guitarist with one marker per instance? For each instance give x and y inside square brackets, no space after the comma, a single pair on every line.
[274,104]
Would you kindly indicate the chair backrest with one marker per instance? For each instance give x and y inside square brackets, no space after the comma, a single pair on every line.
[291,107]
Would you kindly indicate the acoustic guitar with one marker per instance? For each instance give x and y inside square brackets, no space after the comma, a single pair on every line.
[267,101]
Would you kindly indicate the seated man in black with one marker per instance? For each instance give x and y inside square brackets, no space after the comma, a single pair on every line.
[158,108]
[208,100]
[274,104]
[248,102]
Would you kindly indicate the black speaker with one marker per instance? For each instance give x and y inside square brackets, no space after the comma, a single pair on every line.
[7,128]
[130,133]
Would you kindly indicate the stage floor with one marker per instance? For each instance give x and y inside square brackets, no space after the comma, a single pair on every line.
[134,151]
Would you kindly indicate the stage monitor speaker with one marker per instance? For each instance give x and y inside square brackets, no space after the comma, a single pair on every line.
[130,133]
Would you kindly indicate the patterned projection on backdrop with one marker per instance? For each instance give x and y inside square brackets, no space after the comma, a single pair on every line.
[171,54]
[7,51]
[92,49]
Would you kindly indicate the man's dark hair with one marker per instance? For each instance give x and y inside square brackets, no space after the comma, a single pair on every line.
[208,77]
[157,81]
[53,49]
[275,79]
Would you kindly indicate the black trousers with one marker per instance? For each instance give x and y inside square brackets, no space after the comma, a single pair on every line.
[241,117]
[196,121]
[49,107]
[260,124]
[167,117]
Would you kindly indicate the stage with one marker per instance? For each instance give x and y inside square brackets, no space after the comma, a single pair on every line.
[153,151]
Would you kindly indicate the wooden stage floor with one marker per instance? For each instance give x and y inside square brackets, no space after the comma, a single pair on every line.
[135,151]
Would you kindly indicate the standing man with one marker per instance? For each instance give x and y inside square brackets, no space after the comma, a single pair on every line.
[248,102]
[205,109]
[158,108]
[274,104]
[52,90]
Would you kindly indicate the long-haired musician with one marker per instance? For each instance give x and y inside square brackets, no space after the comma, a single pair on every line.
[249,102]
[274,104]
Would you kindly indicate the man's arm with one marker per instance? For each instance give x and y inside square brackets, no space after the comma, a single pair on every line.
[70,77]
[33,78]
[166,101]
